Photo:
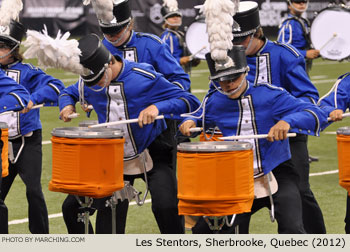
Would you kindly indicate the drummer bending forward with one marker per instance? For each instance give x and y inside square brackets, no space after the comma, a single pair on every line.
[240,108]
[124,90]
[335,103]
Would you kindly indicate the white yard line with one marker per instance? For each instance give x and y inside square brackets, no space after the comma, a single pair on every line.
[196,91]
[323,81]
[73,80]
[323,173]
[318,77]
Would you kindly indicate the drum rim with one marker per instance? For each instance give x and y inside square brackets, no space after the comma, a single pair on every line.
[343,130]
[214,146]
[3,125]
[85,132]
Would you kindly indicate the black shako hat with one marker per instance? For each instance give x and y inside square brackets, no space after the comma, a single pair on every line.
[167,13]
[122,17]
[237,54]
[12,34]
[297,1]
[95,57]
[247,18]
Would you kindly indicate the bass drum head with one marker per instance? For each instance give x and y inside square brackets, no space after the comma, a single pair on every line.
[197,38]
[330,33]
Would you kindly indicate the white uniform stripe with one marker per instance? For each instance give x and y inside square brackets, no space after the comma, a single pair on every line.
[145,72]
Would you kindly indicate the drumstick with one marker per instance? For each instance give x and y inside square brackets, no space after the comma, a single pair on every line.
[329,40]
[11,112]
[120,122]
[194,54]
[344,115]
[73,115]
[196,129]
[252,136]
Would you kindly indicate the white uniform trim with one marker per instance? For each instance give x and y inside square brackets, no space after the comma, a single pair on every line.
[116,111]
[144,72]
[55,88]
[247,126]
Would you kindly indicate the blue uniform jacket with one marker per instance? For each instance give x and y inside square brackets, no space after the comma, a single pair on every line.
[259,108]
[295,31]
[136,87]
[283,66]
[43,88]
[12,96]
[172,39]
[338,97]
[148,48]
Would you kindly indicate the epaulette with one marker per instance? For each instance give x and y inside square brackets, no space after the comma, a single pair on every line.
[268,85]
[144,73]
[290,48]
[148,35]
[30,66]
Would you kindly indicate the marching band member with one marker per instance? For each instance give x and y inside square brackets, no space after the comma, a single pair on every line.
[295,30]
[283,66]
[121,40]
[174,37]
[335,103]
[25,129]
[239,107]
[13,97]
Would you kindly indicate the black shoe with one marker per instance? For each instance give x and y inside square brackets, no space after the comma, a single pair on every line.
[313,159]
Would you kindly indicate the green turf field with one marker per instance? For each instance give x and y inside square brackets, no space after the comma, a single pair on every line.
[329,194]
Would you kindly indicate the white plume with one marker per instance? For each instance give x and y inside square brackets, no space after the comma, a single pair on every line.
[171,4]
[10,9]
[103,9]
[219,19]
[54,53]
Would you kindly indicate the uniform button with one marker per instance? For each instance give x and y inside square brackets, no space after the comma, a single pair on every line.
[118,103]
[115,90]
[120,118]
[308,131]
[246,121]
[300,130]
[5,107]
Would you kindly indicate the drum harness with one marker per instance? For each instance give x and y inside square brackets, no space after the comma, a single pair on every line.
[306,34]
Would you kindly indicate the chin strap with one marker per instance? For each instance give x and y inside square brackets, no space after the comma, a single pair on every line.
[11,51]
[120,38]
[233,91]
[176,25]
[298,10]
